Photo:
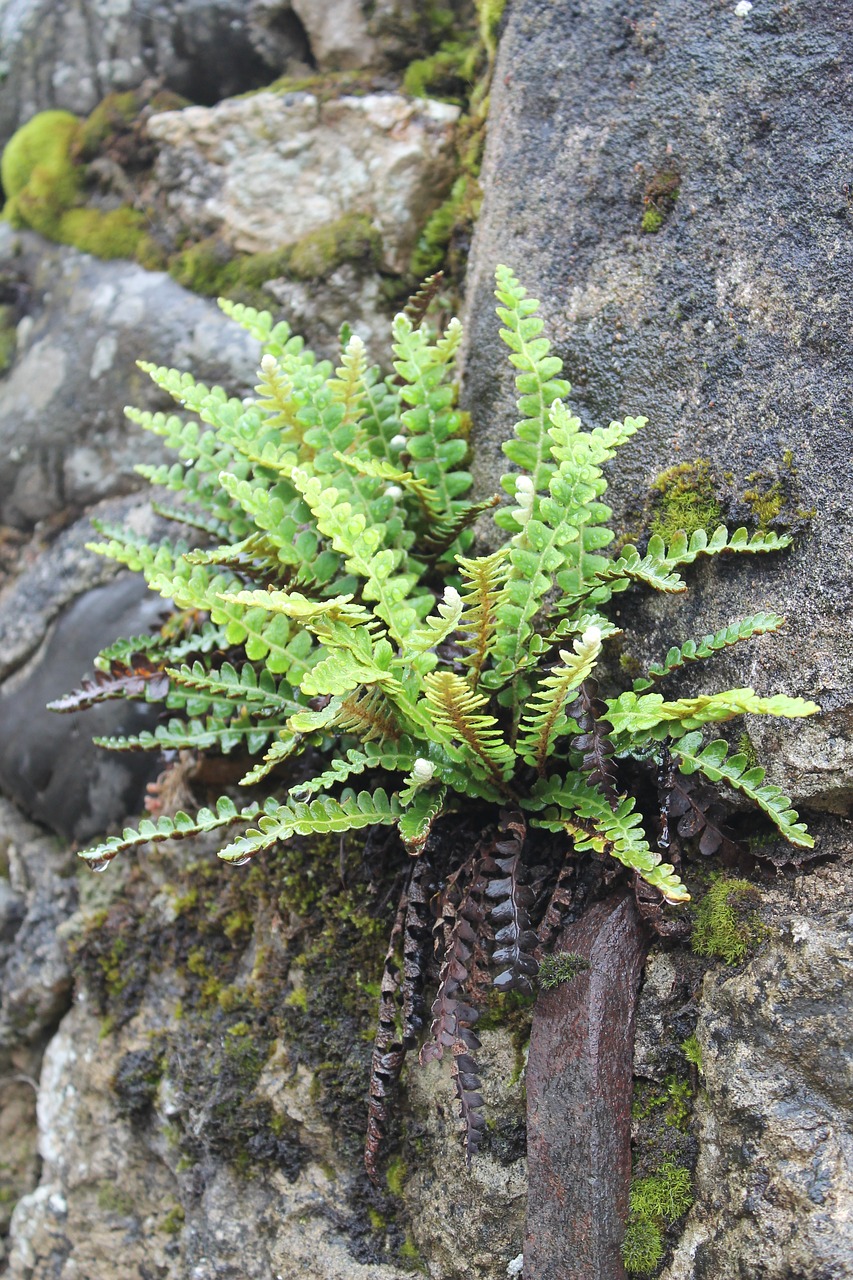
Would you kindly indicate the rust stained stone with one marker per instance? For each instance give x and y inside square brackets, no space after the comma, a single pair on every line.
[579,1082]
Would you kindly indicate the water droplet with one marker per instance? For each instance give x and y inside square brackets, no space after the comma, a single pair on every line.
[240,862]
[99,864]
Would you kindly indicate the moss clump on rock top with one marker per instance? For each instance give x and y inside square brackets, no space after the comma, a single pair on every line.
[726,925]
[683,499]
[39,177]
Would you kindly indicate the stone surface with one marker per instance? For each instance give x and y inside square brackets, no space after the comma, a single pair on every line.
[773,1183]
[64,441]
[579,1101]
[467,1223]
[61,54]
[317,310]
[729,328]
[263,171]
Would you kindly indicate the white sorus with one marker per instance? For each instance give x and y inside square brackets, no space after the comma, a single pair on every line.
[523,484]
[591,636]
[451,596]
[268,363]
[397,442]
[394,491]
[423,770]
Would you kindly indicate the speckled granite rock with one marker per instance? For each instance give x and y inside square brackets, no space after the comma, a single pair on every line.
[263,171]
[64,440]
[728,329]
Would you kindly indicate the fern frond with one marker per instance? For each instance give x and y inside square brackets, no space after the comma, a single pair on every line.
[714,762]
[180,827]
[280,750]
[347,389]
[545,718]
[537,380]
[651,570]
[693,650]
[245,686]
[207,638]
[684,550]
[482,580]
[635,715]
[215,732]
[451,716]
[393,757]
[319,817]
[417,819]
[438,626]
[581,810]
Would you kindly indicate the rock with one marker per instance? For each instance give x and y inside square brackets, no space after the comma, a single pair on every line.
[773,1184]
[727,328]
[265,170]
[466,1223]
[59,54]
[347,296]
[64,441]
[579,1101]
[54,619]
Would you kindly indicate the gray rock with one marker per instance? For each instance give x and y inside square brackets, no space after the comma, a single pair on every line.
[262,171]
[773,1182]
[64,441]
[60,54]
[48,763]
[728,328]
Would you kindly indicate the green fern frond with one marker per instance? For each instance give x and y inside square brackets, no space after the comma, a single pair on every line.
[319,817]
[181,827]
[245,686]
[437,627]
[417,819]
[537,381]
[393,757]
[347,389]
[280,750]
[451,716]
[713,761]
[684,550]
[694,650]
[482,582]
[585,813]
[634,716]
[545,719]
[214,733]
[651,570]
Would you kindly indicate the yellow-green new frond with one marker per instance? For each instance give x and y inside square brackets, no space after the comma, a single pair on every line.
[347,389]
[648,713]
[545,720]
[483,580]
[452,715]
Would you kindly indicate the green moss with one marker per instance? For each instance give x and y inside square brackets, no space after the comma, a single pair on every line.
[766,499]
[726,925]
[173,1220]
[113,1200]
[671,1104]
[746,747]
[395,1175]
[652,221]
[39,177]
[683,499]
[8,337]
[297,999]
[660,196]
[445,74]
[656,1201]
[459,210]
[490,13]
[115,234]
[692,1050]
[642,1248]
[352,238]
[560,967]
[111,116]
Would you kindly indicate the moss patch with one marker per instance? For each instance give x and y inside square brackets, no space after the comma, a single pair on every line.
[656,1201]
[39,177]
[683,499]
[659,197]
[726,925]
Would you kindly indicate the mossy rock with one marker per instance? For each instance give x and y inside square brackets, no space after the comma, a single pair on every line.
[39,177]
[684,499]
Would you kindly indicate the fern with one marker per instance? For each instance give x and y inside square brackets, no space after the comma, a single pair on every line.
[324,602]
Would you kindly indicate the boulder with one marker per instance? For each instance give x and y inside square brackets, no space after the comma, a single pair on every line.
[673,187]
[60,54]
[265,170]
[64,441]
